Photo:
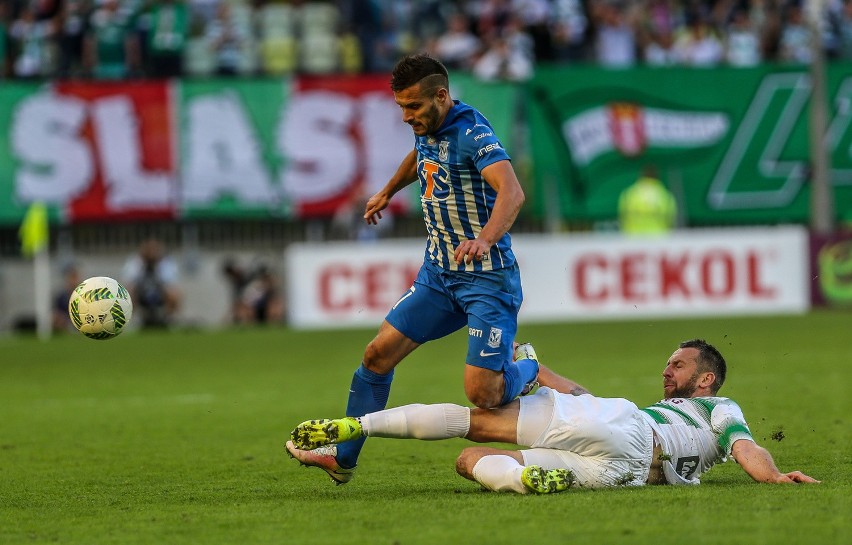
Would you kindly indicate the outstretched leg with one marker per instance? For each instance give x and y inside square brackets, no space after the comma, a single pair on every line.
[416,421]
[503,470]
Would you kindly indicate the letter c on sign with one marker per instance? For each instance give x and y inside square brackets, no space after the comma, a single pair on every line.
[586,268]
[332,282]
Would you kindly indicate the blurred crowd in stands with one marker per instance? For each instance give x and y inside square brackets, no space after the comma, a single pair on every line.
[117,39]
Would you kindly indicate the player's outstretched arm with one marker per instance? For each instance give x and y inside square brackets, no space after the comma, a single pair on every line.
[405,174]
[758,463]
[546,377]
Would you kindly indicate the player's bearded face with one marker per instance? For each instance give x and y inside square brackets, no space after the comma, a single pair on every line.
[425,120]
[431,118]
[685,389]
[680,377]
[420,109]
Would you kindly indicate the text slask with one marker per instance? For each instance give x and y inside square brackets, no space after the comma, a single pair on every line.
[326,141]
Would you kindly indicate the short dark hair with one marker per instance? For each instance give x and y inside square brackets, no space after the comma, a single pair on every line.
[709,359]
[412,69]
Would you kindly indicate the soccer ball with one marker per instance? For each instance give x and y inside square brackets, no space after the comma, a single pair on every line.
[100,307]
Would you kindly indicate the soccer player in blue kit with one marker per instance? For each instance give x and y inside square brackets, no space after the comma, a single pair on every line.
[470,197]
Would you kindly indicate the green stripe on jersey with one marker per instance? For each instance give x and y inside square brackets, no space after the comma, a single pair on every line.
[658,417]
[733,433]
[704,406]
[688,419]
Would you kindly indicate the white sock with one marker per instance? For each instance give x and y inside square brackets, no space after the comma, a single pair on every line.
[499,473]
[418,421]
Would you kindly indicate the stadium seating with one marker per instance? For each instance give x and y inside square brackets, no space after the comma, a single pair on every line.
[319,17]
[198,59]
[319,53]
[276,21]
[278,55]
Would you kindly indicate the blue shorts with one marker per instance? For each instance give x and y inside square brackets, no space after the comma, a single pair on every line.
[441,302]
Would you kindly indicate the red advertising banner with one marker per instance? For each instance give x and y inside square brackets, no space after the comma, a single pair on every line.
[351,130]
[225,148]
[129,130]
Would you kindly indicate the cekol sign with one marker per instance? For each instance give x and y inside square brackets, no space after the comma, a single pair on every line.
[348,284]
[689,273]
[643,276]
[573,277]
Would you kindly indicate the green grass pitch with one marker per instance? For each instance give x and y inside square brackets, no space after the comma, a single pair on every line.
[177,437]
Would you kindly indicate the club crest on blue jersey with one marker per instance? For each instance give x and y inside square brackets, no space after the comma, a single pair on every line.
[444,151]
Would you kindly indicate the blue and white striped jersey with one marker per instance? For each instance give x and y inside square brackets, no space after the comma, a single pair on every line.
[456,199]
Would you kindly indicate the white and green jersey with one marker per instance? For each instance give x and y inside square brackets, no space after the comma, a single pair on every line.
[696,433]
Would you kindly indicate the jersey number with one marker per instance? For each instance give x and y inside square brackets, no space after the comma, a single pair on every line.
[686,466]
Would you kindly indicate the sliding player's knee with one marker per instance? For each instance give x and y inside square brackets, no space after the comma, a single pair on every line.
[484,398]
[467,459]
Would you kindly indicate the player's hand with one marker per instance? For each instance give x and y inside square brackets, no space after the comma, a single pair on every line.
[374,207]
[798,477]
[469,250]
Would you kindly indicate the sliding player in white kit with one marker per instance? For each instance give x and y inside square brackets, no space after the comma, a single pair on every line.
[579,439]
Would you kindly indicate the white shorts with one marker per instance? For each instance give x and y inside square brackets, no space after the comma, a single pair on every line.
[603,441]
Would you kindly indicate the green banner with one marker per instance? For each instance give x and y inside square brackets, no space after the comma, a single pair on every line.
[13,204]
[498,101]
[230,162]
[732,144]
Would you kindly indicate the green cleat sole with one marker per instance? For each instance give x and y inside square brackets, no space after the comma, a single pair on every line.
[547,481]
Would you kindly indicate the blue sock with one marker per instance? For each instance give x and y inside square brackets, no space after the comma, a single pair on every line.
[516,375]
[369,393]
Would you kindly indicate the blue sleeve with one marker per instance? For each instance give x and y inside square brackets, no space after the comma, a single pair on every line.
[482,146]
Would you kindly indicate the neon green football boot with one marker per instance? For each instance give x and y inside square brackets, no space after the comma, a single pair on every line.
[525,351]
[547,481]
[312,434]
